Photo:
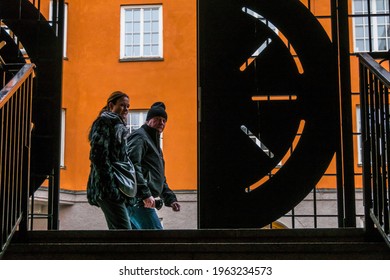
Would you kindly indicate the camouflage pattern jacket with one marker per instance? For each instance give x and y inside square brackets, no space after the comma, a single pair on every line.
[108,144]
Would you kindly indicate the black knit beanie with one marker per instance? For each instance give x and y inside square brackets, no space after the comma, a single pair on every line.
[157,110]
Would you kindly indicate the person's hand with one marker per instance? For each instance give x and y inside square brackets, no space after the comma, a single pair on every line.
[149,202]
[175,206]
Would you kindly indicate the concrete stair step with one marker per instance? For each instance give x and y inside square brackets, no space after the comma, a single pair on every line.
[198,244]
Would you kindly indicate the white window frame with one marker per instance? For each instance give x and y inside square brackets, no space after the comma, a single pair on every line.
[63,123]
[359,135]
[142,40]
[141,120]
[65,25]
[375,25]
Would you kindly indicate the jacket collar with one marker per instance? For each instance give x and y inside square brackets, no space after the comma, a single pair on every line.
[113,117]
[154,134]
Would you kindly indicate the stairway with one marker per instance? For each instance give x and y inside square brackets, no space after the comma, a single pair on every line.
[281,244]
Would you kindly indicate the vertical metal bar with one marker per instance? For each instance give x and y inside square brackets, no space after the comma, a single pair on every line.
[315,207]
[373,148]
[2,144]
[369,25]
[8,171]
[26,156]
[346,157]
[339,170]
[387,158]
[366,175]
[346,116]
[382,145]
[12,162]
[54,192]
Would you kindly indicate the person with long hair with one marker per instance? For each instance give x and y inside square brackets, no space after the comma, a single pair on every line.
[107,139]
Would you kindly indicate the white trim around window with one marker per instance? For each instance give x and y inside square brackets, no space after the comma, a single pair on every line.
[63,124]
[380,35]
[65,25]
[359,135]
[136,118]
[141,32]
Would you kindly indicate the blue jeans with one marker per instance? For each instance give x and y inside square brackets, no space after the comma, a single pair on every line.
[144,218]
[116,214]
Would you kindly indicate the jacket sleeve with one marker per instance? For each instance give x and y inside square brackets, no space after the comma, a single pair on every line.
[167,195]
[99,154]
[136,150]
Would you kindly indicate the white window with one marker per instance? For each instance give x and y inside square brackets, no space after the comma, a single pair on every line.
[62,156]
[141,32]
[65,24]
[380,33]
[359,135]
[136,118]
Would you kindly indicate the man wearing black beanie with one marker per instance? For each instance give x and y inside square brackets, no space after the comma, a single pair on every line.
[146,154]
[157,110]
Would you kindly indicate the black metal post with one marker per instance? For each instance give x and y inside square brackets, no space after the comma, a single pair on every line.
[346,193]
[54,189]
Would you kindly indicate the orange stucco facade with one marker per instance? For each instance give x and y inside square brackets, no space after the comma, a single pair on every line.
[92,70]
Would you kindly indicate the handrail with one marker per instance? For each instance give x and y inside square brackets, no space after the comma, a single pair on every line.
[375,127]
[15,142]
[14,84]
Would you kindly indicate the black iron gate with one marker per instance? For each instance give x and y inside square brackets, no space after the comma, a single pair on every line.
[269,93]
[375,116]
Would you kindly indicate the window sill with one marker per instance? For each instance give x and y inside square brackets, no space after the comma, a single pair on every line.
[141,59]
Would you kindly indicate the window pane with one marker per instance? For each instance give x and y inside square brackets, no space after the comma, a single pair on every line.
[380,6]
[128,40]
[129,15]
[381,31]
[359,31]
[155,38]
[381,20]
[360,6]
[147,51]
[147,40]
[147,27]
[128,51]
[137,39]
[137,14]
[155,14]
[136,51]
[147,15]
[360,45]
[382,44]
[155,26]
[137,27]
[135,119]
[128,27]
[155,50]
[358,20]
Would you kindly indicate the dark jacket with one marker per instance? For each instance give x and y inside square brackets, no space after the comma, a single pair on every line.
[145,153]
[108,144]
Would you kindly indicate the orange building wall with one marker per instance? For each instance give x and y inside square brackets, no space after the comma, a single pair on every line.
[92,71]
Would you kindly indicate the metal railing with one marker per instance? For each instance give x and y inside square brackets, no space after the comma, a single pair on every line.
[15,141]
[375,123]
